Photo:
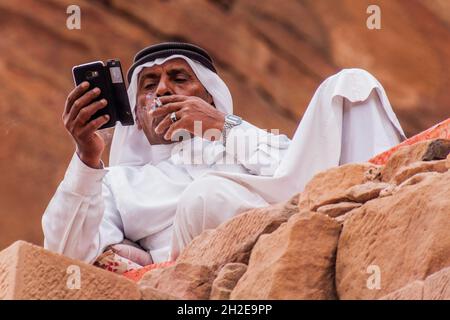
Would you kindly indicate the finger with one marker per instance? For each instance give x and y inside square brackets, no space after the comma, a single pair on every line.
[167,122]
[93,125]
[179,125]
[74,95]
[168,108]
[83,101]
[87,112]
[173,98]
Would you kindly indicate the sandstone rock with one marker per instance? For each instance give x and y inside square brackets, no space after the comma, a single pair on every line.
[415,179]
[360,193]
[338,209]
[365,192]
[434,287]
[388,191]
[341,219]
[374,173]
[437,286]
[294,262]
[331,183]
[413,291]
[31,272]
[150,293]
[183,280]
[418,167]
[448,162]
[406,236]
[233,240]
[429,150]
[226,280]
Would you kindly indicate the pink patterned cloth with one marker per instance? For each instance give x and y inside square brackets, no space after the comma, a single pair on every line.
[123,257]
[111,261]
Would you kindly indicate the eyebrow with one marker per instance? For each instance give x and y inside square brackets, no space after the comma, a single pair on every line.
[172,72]
[176,71]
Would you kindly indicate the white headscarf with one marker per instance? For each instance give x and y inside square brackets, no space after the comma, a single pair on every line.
[130,145]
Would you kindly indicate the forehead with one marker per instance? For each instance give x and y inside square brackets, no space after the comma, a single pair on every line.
[173,64]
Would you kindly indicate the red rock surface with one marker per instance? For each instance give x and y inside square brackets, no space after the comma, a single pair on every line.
[30,272]
[294,262]
[273,57]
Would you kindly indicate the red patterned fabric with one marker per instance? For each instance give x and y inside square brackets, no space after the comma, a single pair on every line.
[137,274]
[113,262]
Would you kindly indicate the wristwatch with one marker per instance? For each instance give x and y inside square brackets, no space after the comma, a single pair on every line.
[231,121]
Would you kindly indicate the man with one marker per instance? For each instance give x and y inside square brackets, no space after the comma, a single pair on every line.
[160,192]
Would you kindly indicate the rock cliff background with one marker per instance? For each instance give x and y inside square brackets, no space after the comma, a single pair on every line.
[272,54]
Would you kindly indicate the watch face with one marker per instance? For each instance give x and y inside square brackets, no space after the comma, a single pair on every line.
[234,120]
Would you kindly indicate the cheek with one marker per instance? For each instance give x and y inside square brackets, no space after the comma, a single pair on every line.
[197,89]
[140,101]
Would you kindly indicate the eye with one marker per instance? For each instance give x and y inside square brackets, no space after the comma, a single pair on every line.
[149,86]
[180,80]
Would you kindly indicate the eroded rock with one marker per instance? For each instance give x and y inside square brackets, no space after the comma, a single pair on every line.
[226,280]
[412,291]
[331,183]
[233,240]
[294,262]
[30,272]
[419,167]
[406,236]
[428,150]
[437,286]
[360,193]
[338,209]
[182,280]
[434,287]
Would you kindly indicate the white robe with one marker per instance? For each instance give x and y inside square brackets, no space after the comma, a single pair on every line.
[165,203]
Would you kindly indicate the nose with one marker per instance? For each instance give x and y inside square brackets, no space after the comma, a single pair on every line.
[163,88]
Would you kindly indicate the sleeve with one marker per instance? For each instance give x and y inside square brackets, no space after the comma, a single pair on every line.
[259,151]
[81,219]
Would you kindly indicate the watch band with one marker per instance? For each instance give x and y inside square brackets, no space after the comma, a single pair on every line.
[231,121]
[226,128]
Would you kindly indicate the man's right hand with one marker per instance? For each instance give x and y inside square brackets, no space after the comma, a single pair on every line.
[77,112]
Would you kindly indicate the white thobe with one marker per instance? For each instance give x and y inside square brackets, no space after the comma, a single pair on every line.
[95,208]
[164,205]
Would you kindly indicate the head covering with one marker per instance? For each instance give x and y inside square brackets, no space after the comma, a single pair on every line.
[129,145]
[167,49]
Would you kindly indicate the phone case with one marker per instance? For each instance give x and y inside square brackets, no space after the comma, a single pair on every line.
[109,78]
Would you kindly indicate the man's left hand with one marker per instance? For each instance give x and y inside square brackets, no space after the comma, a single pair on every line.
[187,110]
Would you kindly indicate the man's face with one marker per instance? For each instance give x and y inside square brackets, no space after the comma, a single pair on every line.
[173,77]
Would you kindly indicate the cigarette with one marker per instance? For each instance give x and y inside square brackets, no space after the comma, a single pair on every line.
[157,103]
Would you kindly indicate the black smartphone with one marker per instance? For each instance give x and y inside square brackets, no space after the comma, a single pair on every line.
[109,79]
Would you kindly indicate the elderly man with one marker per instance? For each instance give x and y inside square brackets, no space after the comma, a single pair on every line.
[160,192]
